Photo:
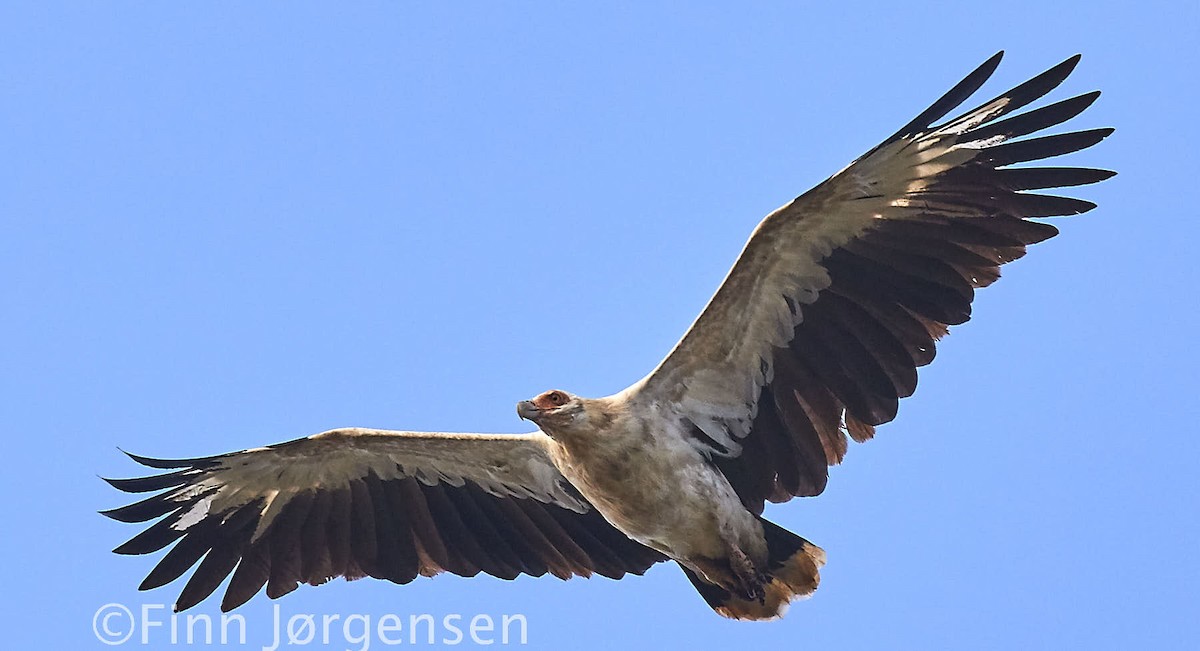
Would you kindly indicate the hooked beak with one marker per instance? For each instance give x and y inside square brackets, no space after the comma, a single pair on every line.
[528,411]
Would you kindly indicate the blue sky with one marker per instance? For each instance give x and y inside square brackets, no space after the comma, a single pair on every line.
[227,226]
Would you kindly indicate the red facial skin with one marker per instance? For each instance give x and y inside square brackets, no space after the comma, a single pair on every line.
[550,400]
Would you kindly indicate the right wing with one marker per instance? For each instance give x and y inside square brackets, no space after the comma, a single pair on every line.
[818,330]
[362,502]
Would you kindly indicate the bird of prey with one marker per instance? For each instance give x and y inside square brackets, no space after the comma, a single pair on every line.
[812,339]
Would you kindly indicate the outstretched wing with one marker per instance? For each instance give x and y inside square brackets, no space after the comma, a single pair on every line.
[839,295]
[360,502]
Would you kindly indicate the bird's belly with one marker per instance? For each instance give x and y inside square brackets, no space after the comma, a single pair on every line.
[667,498]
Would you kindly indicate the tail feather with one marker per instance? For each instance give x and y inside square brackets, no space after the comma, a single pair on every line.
[793,571]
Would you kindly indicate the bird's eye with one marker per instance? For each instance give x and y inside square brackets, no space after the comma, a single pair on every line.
[558,398]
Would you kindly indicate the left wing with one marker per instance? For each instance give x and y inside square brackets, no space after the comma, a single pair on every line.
[839,295]
[362,502]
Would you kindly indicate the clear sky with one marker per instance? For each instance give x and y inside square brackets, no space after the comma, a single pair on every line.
[227,225]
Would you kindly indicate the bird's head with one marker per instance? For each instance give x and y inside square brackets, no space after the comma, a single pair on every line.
[556,412]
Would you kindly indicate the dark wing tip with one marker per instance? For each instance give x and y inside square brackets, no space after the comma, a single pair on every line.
[1084,206]
[989,66]
[153,482]
[1062,70]
[115,514]
[148,509]
[168,464]
[1050,79]
[1023,94]
[123,485]
[1097,175]
[1091,97]
[952,98]
[124,549]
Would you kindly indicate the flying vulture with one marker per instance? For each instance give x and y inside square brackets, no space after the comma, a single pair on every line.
[812,339]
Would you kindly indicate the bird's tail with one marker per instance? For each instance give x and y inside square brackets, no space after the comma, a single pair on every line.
[793,571]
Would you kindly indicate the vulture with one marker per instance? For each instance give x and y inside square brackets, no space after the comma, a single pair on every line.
[811,340]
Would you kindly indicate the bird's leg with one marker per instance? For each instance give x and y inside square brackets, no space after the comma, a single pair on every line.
[735,573]
[750,580]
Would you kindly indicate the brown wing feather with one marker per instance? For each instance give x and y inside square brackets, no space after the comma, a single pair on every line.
[357,503]
[839,296]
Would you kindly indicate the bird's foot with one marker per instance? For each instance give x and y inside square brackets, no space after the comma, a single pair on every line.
[751,582]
